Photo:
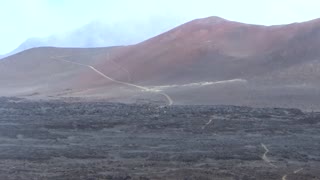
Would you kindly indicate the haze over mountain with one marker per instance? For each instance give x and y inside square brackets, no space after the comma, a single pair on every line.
[103,34]
[205,61]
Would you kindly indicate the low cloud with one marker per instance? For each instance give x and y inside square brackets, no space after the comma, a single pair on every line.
[22,19]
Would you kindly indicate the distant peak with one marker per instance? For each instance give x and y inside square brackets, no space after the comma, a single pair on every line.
[210,20]
[215,18]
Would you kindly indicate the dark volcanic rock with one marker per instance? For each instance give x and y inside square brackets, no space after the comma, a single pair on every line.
[100,140]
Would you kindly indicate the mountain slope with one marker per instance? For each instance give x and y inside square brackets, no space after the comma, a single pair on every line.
[205,61]
[217,49]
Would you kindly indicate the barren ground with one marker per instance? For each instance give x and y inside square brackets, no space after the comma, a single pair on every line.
[99,140]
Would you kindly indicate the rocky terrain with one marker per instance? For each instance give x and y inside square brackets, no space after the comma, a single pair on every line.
[74,139]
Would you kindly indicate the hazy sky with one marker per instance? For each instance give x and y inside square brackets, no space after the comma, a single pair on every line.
[22,19]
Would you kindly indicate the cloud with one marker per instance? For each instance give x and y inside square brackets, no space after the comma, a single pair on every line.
[22,19]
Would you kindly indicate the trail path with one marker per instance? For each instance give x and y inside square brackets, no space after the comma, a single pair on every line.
[209,122]
[143,88]
[284,177]
[264,156]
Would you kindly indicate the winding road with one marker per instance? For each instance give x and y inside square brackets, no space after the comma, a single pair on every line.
[143,88]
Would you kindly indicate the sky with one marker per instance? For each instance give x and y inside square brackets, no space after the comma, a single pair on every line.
[23,19]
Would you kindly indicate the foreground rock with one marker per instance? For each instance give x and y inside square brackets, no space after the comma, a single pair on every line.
[99,140]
